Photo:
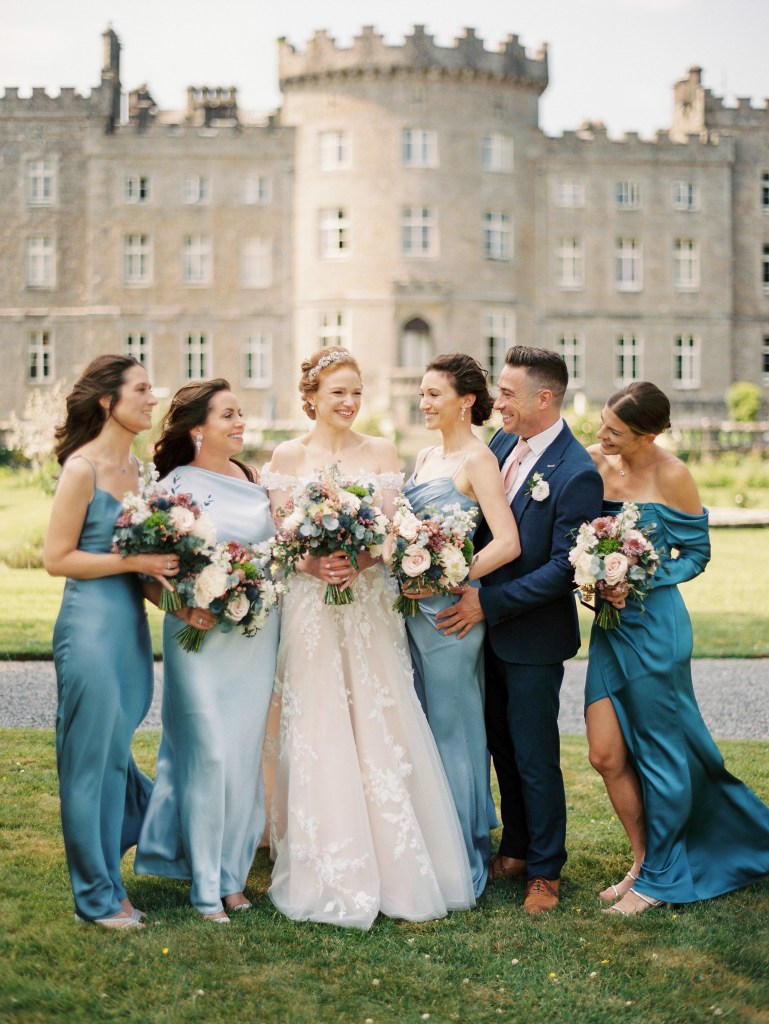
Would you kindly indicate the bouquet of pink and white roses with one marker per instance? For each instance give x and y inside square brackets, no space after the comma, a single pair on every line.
[430,552]
[611,553]
[161,522]
[330,514]
[235,586]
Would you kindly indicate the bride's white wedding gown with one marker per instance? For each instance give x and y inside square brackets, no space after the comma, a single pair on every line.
[362,817]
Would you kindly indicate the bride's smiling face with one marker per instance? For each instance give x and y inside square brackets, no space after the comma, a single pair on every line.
[338,398]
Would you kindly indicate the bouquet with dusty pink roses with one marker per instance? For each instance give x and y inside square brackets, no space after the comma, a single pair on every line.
[611,553]
[430,552]
[235,586]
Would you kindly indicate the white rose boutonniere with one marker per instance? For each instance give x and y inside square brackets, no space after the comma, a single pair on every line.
[538,489]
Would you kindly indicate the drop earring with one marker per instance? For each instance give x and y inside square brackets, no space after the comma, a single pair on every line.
[462,414]
[198,443]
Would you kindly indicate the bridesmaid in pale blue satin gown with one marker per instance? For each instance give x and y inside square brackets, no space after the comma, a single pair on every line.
[101,642]
[448,671]
[695,830]
[207,811]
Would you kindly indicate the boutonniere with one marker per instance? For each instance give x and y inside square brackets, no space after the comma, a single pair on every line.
[538,489]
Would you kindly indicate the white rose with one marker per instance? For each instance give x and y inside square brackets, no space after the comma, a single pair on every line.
[388,548]
[585,570]
[408,525]
[349,500]
[238,608]
[210,583]
[205,529]
[615,568]
[455,568]
[540,490]
[182,519]
[415,561]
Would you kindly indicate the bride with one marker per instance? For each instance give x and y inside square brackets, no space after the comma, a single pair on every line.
[362,816]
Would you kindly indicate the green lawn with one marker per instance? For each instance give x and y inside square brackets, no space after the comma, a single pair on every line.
[574,966]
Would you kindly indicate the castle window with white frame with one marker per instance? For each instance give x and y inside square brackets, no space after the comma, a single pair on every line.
[196,189]
[497,236]
[39,357]
[765,269]
[256,263]
[257,191]
[685,196]
[334,234]
[765,191]
[628,351]
[627,195]
[498,337]
[686,362]
[419,231]
[570,263]
[196,259]
[40,262]
[137,259]
[41,182]
[137,344]
[196,356]
[137,189]
[497,153]
[765,361]
[572,349]
[419,147]
[686,264]
[256,360]
[569,194]
[334,150]
[628,265]
[333,329]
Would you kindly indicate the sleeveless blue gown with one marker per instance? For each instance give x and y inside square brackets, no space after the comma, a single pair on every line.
[449,680]
[707,833]
[207,812]
[103,658]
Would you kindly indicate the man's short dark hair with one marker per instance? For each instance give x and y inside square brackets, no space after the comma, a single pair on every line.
[547,369]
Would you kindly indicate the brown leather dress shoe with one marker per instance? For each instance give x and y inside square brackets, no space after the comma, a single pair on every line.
[541,894]
[506,867]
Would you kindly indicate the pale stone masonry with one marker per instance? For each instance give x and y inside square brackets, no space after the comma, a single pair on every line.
[404,202]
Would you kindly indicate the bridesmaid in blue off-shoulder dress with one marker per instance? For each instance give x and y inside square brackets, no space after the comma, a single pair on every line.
[207,811]
[448,672]
[101,642]
[695,830]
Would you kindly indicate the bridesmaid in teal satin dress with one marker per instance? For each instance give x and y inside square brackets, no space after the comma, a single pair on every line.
[448,672]
[695,830]
[207,811]
[101,642]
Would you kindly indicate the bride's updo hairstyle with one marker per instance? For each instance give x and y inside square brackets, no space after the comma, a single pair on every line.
[467,377]
[642,407]
[188,409]
[313,368]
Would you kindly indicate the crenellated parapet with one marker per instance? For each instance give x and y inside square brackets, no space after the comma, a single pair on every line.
[592,142]
[418,54]
[696,109]
[68,103]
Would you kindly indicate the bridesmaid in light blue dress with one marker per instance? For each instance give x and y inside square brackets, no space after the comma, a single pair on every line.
[695,830]
[448,671]
[101,642]
[207,811]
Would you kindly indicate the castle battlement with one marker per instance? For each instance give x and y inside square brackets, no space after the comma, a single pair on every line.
[591,139]
[698,109]
[369,54]
[68,102]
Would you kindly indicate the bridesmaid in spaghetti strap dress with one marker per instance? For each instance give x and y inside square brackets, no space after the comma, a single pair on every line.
[448,673]
[101,642]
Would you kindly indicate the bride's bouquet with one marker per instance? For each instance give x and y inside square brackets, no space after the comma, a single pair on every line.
[330,514]
[235,586]
[161,522]
[430,552]
[611,553]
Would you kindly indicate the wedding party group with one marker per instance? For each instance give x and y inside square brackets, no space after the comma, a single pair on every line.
[346,657]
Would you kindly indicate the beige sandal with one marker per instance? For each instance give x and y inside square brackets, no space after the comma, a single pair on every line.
[648,903]
[617,895]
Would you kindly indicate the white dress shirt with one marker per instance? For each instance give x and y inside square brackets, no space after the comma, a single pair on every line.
[538,443]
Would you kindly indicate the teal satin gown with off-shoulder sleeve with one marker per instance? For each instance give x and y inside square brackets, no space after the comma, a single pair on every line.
[207,812]
[103,658]
[449,680]
[706,832]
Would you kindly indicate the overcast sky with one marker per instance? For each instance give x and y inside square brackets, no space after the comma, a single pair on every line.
[610,60]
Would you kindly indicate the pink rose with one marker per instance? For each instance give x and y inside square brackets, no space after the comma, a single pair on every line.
[615,568]
[238,608]
[415,561]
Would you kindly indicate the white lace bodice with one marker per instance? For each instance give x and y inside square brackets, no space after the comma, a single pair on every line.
[285,482]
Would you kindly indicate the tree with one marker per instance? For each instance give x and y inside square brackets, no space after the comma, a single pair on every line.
[743,400]
[33,433]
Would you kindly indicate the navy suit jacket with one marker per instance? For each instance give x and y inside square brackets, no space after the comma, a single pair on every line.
[529,605]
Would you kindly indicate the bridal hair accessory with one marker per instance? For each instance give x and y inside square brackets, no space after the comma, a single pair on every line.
[327,360]
[198,443]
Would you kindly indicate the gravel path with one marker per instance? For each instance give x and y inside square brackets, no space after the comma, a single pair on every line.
[733,695]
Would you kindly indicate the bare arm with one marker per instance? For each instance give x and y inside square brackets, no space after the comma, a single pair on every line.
[505,545]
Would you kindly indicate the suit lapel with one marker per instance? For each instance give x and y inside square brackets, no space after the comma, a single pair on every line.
[546,464]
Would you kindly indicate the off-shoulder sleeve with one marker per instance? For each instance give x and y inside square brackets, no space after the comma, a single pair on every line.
[277,481]
[689,535]
[390,481]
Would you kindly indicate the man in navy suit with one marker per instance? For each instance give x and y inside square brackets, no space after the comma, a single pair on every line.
[530,611]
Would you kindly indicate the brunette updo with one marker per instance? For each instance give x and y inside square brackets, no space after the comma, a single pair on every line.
[188,409]
[642,407]
[313,368]
[467,377]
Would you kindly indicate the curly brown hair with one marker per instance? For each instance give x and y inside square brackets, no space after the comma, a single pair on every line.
[330,358]
[467,377]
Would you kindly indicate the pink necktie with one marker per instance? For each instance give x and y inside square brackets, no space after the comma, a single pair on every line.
[520,451]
